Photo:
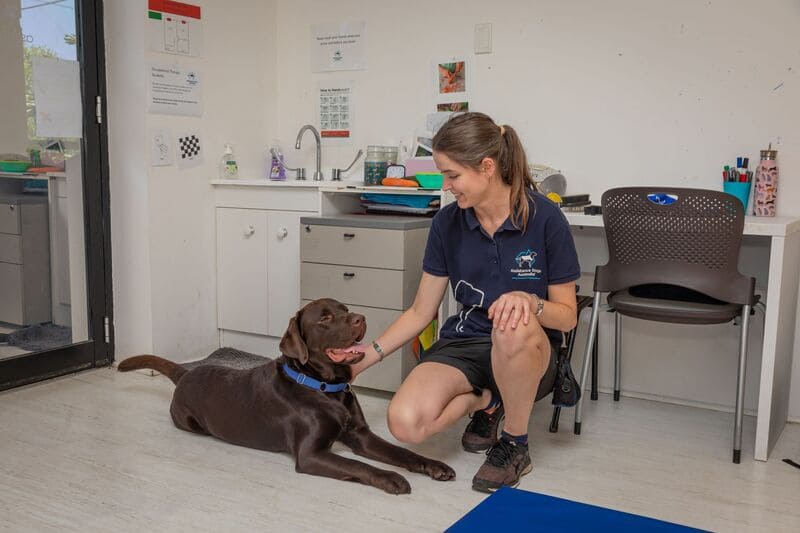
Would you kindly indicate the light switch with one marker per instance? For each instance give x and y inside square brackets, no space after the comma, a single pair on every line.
[483,38]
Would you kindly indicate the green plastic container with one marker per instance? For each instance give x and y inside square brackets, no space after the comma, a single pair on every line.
[429,180]
[14,166]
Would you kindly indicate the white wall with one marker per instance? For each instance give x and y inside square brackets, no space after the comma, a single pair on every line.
[14,130]
[626,93]
[163,236]
[621,93]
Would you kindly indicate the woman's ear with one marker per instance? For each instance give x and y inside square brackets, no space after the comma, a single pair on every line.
[488,166]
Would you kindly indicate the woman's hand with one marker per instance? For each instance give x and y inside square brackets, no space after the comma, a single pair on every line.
[510,308]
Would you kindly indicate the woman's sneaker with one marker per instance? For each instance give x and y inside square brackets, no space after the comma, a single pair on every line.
[506,462]
[481,431]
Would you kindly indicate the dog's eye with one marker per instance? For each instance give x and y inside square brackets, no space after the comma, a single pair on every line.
[326,318]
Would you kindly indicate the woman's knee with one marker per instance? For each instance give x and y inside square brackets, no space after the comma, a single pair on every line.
[406,422]
[522,341]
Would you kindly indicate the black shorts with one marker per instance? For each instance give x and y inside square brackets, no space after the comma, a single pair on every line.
[473,357]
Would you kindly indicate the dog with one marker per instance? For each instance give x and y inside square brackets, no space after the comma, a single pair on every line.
[267,409]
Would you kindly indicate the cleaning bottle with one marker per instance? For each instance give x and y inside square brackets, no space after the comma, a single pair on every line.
[228,169]
[275,167]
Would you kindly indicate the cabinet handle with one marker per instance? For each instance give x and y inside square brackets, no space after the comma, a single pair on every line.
[282,233]
[349,275]
[249,230]
[11,207]
[348,236]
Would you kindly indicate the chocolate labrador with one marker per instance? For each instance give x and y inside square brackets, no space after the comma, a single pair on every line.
[294,404]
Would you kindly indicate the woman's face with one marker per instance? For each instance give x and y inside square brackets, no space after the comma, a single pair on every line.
[469,186]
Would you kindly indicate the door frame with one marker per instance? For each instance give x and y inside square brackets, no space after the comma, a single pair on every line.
[99,349]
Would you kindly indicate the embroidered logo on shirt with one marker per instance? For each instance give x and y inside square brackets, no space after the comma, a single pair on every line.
[525,261]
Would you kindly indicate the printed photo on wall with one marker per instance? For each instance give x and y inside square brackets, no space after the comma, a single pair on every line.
[452,77]
[454,107]
[452,82]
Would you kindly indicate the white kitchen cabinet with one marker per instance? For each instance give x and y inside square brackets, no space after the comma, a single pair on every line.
[283,273]
[258,269]
[242,270]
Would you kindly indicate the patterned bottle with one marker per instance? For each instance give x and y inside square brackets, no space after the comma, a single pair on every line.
[766,185]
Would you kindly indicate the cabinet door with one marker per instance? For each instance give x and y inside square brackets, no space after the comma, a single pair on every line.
[242,236]
[284,268]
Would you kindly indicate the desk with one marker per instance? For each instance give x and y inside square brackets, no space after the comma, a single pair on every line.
[783,276]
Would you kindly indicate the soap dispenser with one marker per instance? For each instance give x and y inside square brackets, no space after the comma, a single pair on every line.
[228,169]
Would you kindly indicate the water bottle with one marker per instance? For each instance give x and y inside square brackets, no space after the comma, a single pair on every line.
[766,184]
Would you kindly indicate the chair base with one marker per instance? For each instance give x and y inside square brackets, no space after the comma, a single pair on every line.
[737,456]
[577,429]
[616,395]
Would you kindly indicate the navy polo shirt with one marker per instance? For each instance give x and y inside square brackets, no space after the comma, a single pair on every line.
[481,268]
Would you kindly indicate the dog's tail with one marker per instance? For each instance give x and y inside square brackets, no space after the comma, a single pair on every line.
[173,371]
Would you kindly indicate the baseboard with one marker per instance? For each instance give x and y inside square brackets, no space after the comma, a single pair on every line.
[675,401]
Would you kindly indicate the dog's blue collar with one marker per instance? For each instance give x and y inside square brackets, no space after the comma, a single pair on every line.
[312,383]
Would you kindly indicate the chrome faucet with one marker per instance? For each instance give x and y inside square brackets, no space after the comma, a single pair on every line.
[318,172]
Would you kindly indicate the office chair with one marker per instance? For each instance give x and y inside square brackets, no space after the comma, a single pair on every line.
[673,257]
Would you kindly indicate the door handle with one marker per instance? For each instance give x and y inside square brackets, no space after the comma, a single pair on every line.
[249,230]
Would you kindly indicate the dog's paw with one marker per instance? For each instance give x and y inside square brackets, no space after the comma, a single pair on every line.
[439,471]
[393,483]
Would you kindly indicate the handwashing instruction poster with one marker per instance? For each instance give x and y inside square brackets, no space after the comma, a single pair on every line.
[335,109]
[175,28]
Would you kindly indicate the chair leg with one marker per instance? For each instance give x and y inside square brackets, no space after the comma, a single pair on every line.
[594,363]
[617,353]
[739,414]
[554,420]
[587,359]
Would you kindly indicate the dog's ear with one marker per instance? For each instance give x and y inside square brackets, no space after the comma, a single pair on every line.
[292,343]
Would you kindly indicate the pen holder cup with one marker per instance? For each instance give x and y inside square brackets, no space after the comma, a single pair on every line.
[739,189]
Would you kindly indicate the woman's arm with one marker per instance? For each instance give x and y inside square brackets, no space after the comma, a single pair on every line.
[560,310]
[410,323]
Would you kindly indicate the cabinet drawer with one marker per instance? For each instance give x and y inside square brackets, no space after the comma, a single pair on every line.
[9,218]
[10,249]
[367,247]
[351,285]
[11,289]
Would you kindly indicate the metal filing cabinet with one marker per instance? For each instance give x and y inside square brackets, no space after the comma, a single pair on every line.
[24,260]
[373,265]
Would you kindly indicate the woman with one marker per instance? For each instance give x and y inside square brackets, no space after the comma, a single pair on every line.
[508,253]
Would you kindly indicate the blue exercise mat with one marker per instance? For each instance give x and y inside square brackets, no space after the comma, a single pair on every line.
[518,510]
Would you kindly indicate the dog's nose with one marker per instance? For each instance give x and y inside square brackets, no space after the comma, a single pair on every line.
[357,320]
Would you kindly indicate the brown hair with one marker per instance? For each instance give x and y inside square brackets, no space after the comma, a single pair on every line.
[470,137]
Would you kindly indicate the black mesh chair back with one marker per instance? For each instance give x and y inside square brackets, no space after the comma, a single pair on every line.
[684,237]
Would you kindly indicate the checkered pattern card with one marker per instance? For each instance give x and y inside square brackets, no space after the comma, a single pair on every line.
[190,151]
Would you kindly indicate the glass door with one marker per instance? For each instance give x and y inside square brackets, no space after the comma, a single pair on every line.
[55,282]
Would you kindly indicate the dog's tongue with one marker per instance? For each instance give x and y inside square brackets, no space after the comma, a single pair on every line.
[344,355]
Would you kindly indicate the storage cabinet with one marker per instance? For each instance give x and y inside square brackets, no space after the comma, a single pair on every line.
[373,265]
[258,283]
[24,260]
